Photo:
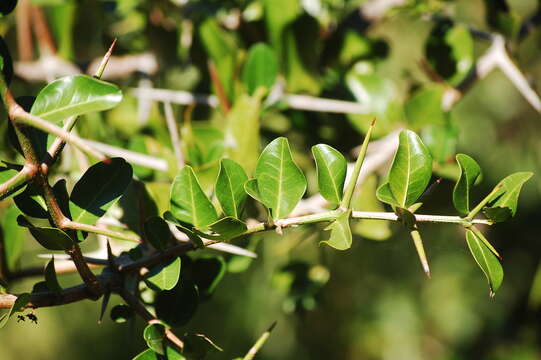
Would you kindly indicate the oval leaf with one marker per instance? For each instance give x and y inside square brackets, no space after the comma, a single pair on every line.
[340,238]
[73,96]
[49,238]
[331,172]
[13,237]
[280,182]
[165,276]
[188,201]
[50,277]
[157,232]
[261,68]
[177,306]
[149,354]
[507,196]
[486,260]
[411,169]
[99,188]
[228,228]
[252,189]
[7,6]
[385,195]
[154,335]
[230,187]
[469,173]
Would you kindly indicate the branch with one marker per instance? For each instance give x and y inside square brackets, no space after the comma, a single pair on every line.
[99,230]
[18,180]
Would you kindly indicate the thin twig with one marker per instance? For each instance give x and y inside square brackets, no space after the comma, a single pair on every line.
[174,133]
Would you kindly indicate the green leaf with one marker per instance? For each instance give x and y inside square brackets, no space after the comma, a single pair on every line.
[261,68]
[5,175]
[13,237]
[331,172]
[18,305]
[196,240]
[157,232]
[50,277]
[7,6]
[165,276]
[73,96]
[252,189]
[385,195]
[228,228]
[469,173]
[31,203]
[188,201]
[486,260]
[121,313]
[177,306]
[99,188]
[280,182]
[364,198]
[49,238]
[208,272]
[497,213]
[507,196]
[230,187]
[149,354]
[154,335]
[198,346]
[411,169]
[425,107]
[340,238]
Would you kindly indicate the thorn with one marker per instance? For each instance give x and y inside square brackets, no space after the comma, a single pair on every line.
[373,123]
[273,325]
[105,60]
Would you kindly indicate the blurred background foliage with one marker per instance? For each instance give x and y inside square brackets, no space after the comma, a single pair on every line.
[397,59]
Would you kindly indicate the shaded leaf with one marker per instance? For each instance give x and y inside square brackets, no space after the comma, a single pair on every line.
[331,172]
[121,313]
[252,189]
[280,182]
[164,276]
[198,346]
[196,240]
[157,232]
[18,305]
[411,169]
[177,306]
[5,175]
[73,96]
[364,198]
[469,173]
[486,260]
[188,201]
[31,203]
[509,191]
[260,69]
[149,354]
[498,213]
[154,335]
[228,228]
[12,236]
[340,237]
[207,274]
[99,188]
[7,6]
[50,277]
[49,238]
[230,187]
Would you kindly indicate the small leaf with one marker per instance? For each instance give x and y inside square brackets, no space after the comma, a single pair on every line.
[230,187]
[18,305]
[177,306]
[486,261]
[385,195]
[196,240]
[50,277]
[261,68]
[99,188]
[498,213]
[331,172]
[154,335]
[280,182]
[508,195]
[252,189]
[7,6]
[121,313]
[188,201]
[207,273]
[13,237]
[31,203]
[157,232]
[469,173]
[149,354]
[73,96]
[198,346]
[49,238]
[164,276]
[228,228]
[340,237]
[411,169]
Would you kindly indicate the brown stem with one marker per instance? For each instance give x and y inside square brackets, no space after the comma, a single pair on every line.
[41,29]
[158,257]
[220,92]
[24,35]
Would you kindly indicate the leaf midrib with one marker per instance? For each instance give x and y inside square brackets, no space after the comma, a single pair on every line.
[280,173]
[65,108]
[335,187]
[232,192]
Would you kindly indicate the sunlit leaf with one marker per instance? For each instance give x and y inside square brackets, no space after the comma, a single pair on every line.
[486,260]
[228,228]
[230,187]
[469,173]
[385,195]
[331,172]
[261,68]
[165,276]
[251,187]
[509,191]
[340,237]
[13,237]
[154,335]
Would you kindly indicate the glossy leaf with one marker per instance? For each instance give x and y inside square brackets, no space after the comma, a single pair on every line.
[188,201]
[385,195]
[340,237]
[196,240]
[149,354]
[331,172]
[230,187]
[18,305]
[165,276]
[411,169]
[154,335]
[50,277]
[280,182]
[73,96]
[31,204]
[99,188]
[260,69]
[507,196]
[228,228]
[49,238]
[486,260]
[157,232]
[13,237]
[469,173]
[251,187]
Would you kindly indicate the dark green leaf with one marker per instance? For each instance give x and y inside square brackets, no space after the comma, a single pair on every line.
[13,237]
[331,172]
[486,260]
[7,6]
[207,274]
[157,232]
[188,201]
[411,169]
[51,279]
[171,354]
[73,96]
[497,213]
[198,346]
[340,237]
[469,173]
[154,335]
[164,276]
[509,191]
[196,240]
[121,313]
[99,188]
[18,305]
[280,182]
[261,68]
[177,306]
[228,228]
[230,187]
[5,59]
[31,203]
[49,238]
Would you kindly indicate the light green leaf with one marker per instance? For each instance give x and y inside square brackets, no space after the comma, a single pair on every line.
[13,236]
[411,169]
[99,188]
[340,237]
[154,335]
[507,196]
[331,172]
[385,195]
[486,260]
[425,107]
[149,354]
[18,305]
[49,238]
[188,201]
[261,68]
[469,173]
[230,187]
[165,276]
[252,189]
[228,228]
[50,277]
[280,182]
[73,96]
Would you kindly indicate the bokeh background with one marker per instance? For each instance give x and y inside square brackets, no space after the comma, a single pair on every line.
[372,301]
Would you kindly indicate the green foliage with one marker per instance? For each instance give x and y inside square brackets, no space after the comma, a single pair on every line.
[230,188]
[331,172]
[48,237]
[261,68]
[469,174]
[164,276]
[486,259]
[340,237]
